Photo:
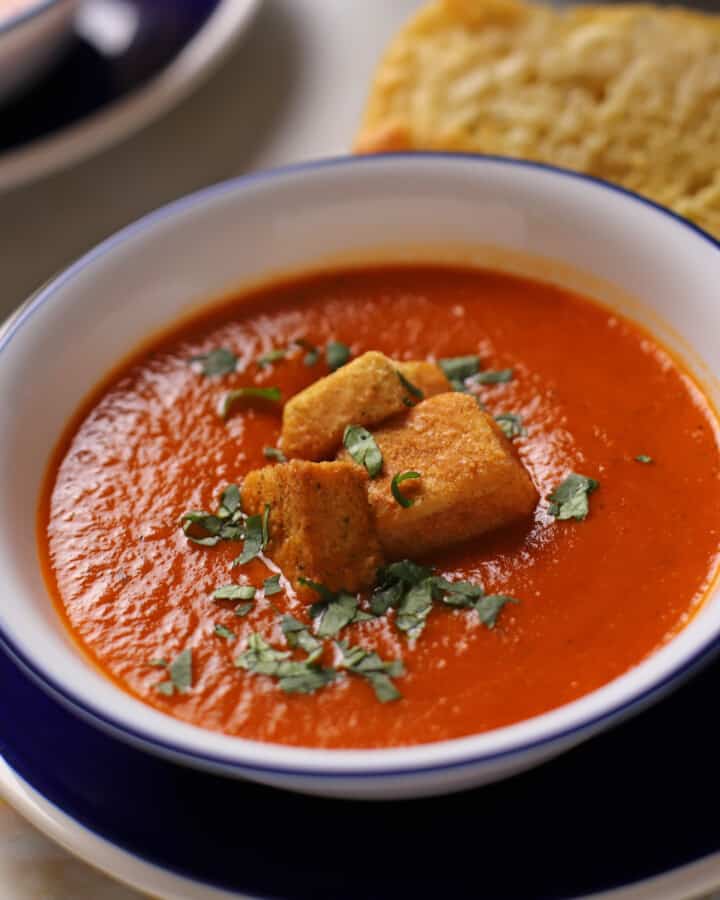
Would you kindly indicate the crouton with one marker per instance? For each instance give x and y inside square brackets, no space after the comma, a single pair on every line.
[471,481]
[426,376]
[364,392]
[320,524]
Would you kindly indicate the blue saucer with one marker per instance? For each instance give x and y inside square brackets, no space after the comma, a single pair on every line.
[628,805]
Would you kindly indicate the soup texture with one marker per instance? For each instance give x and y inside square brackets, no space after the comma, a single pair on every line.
[594,394]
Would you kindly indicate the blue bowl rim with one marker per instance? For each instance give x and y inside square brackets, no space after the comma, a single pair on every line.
[20,18]
[108,722]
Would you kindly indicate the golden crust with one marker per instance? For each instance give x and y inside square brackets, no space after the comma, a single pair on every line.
[426,376]
[630,93]
[471,480]
[321,526]
[363,392]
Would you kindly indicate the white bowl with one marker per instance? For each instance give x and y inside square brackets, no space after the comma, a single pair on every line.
[31,40]
[518,216]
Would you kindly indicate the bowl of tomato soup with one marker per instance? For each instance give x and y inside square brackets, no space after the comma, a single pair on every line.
[372,477]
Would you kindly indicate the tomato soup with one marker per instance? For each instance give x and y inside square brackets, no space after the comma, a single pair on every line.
[595,394]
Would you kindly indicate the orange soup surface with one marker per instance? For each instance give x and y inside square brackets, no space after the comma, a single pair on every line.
[595,597]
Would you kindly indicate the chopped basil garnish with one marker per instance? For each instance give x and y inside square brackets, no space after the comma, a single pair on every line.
[272,585]
[264,395]
[312,355]
[489,608]
[293,677]
[223,632]
[180,672]
[493,376]
[458,368]
[272,356]
[361,446]
[230,503]
[569,500]
[242,609]
[275,454]
[410,589]
[376,671]
[298,635]
[336,354]
[337,608]
[414,607]
[217,362]
[644,458]
[208,529]
[160,663]
[256,536]
[398,479]
[410,388]
[235,592]
[511,424]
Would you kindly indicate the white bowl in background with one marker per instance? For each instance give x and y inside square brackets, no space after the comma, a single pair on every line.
[31,40]
[523,217]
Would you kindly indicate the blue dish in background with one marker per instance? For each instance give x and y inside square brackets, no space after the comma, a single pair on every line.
[126,62]
[628,805]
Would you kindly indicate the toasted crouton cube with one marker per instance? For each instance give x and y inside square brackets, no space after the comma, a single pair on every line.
[471,481]
[426,376]
[364,392]
[320,524]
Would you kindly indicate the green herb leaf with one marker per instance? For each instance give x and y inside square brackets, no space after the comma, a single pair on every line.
[272,585]
[312,355]
[275,454]
[336,354]
[337,609]
[294,677]
[456,593]
[297,635]
[405,571]
[413,609]
[361,446]
[569,500]
[511,424]
[256,537]
[230,503]
[262,394]
[266,525]
[223,632]
[339,613]
[160,663]
[166,687]
[489,607]
[368,665]
[410,387]
[272,356]
[235,592]
[398,479]
[180,671]
[644,458]
[217,362]
[260,657]
[242,609]
[201,527]
[493,376]
[458,368]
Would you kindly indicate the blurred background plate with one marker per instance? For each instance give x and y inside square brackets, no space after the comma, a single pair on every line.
[127,63]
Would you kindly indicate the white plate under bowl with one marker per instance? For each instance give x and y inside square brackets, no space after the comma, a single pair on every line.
[518,216]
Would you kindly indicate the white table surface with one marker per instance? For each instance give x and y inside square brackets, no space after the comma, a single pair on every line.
[293,90]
